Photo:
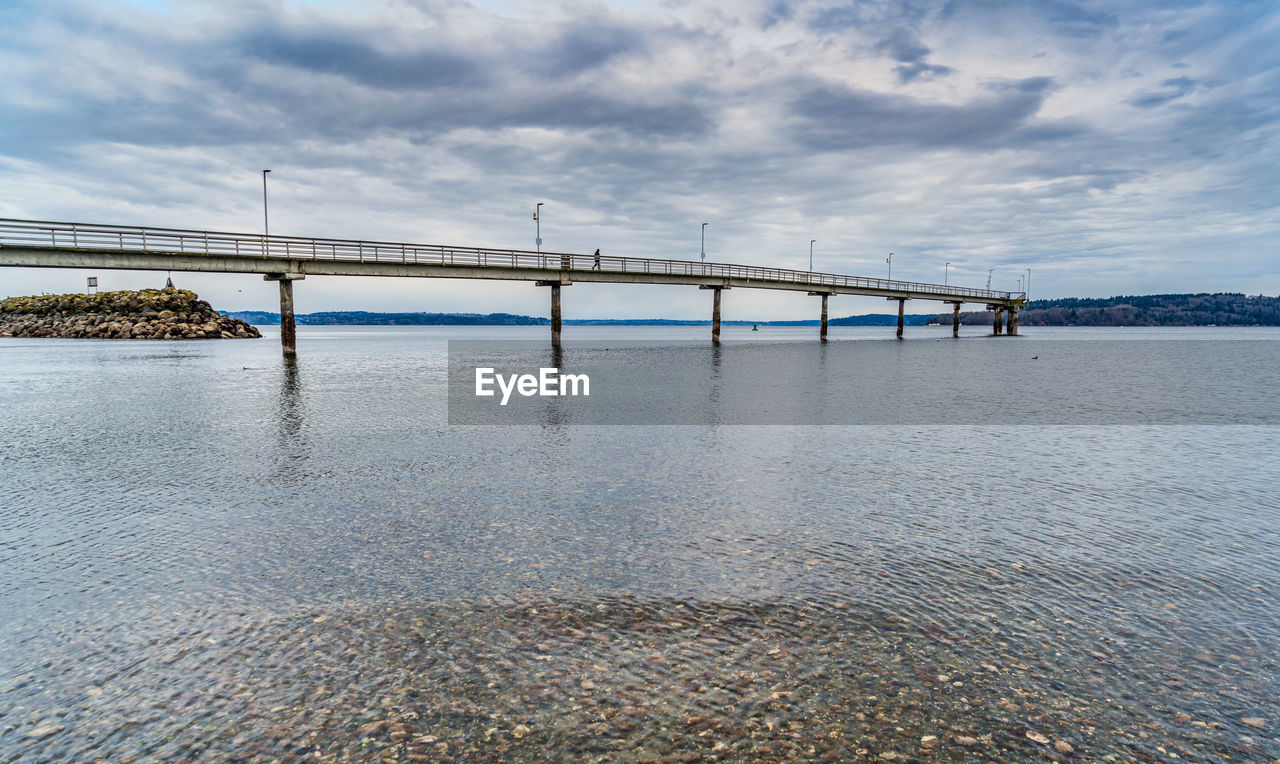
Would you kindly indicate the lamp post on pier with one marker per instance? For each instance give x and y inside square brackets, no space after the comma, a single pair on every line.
[704,242]
[537,220]
[889,260]
[266,228]
[946,269]
[811,241]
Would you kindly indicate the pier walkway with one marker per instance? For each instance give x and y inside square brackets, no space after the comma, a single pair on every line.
[45,244]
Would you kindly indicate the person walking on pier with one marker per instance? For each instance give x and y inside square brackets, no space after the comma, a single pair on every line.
[596,266]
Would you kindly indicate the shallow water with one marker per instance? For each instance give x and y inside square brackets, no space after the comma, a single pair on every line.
[206,552]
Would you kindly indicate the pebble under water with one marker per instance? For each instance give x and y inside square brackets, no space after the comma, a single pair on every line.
[209,554]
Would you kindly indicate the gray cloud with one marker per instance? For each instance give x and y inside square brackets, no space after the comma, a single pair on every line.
[335,51]
[903,46]
[339,83]
[833,118]
[777,13]
[1170,90]
[1076,19]
[855,15]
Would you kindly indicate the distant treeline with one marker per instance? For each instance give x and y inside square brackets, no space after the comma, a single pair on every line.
[365,318]
[1204,309]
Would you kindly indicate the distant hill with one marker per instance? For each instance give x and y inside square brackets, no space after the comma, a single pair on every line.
[365,318]
[1203,309]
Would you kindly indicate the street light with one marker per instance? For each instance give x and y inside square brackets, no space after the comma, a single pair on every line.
[945,269]
[537,219]
[266,229]
[811,241]
[704,242]
[1028,292]
[889,260]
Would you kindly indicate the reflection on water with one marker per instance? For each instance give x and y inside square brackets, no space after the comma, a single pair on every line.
[291,417]
[231,556]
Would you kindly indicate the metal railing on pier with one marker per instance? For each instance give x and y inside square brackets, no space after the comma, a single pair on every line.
[80,236]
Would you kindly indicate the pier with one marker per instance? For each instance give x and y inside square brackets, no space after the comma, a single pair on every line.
[286,259]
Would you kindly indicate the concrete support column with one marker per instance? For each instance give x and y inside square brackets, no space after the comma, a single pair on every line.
[1013,321]
[955,320]
[715,311]
[555,309]
[996,327]
[555,315]
[288,329]
[901,304]
[715,316]
[822,332]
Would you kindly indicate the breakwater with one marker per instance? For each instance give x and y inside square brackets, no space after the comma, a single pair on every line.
[146,314]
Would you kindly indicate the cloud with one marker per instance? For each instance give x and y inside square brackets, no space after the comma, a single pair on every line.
[1074,19]
[995,133]
[335,52]
[903,46]
[832,117]
[1170,90]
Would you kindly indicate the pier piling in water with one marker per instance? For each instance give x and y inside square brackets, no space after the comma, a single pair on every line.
[997,326]
[715,312]
[901,303]
[555,309]
[1013,321]
[822,332]
[288,329]
[955,319]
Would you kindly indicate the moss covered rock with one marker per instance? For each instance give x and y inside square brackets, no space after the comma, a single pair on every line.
[170,314]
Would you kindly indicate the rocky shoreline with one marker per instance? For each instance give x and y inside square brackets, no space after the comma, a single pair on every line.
[147,314]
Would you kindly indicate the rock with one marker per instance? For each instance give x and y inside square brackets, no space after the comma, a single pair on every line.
[966,741]
[1062,746]
[45,731]
[1254,721]
[119,315]
[1037,737]
[372,728]
[520,731]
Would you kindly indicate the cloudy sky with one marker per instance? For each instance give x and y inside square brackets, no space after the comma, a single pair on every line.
[1113,147]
